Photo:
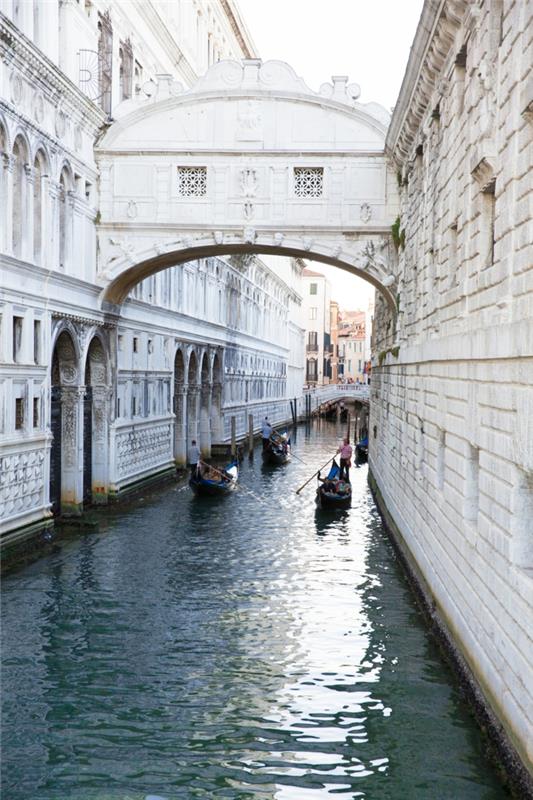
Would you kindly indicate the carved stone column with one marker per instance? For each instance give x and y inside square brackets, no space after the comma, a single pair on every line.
[193,396]
[72,450]
[180,425]
[205,420]
[217,431]
[27,228]
[51,244]
[102,396]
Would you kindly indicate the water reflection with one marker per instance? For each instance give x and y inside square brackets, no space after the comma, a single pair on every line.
[255,648]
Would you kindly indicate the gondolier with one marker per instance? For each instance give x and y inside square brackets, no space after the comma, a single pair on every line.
[345,451]
[193,457]
[266,432]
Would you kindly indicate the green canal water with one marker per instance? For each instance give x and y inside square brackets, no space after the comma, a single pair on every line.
[238,649]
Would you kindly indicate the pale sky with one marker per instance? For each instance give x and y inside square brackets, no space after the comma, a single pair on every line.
[368,40]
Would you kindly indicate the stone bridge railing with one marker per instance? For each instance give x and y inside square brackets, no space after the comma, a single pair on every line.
[323,394]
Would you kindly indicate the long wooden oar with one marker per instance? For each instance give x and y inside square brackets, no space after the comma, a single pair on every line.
[238,486]
[316,473]
[293,455]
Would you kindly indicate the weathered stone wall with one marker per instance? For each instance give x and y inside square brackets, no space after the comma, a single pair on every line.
[451,428]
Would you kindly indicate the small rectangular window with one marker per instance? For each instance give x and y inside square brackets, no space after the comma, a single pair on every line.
[313,288]
[192,181]
[19,413]
[35,412]
[308,181]
[312,312]
[17,338]
[488,199]
[120,342]
[135,344]
[37,341]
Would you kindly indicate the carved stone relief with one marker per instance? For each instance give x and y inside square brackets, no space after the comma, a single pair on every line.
[21,482]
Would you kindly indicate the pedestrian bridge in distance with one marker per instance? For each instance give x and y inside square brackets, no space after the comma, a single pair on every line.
[337,391]
[249,160]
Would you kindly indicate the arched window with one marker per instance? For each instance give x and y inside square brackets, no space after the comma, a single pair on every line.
[20,158]
[39,206]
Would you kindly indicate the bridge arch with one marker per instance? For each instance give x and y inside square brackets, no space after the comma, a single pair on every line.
[249,160]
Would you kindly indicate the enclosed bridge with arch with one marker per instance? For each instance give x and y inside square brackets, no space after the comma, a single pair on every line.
[248,160]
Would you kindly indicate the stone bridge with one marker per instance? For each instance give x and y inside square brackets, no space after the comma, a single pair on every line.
[250,160]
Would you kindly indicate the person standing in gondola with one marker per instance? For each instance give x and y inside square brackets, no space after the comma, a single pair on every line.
[346,452]
[193,457]
[266,432]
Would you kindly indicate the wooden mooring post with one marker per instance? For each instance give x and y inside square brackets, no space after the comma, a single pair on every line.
[250,435]
[233,438]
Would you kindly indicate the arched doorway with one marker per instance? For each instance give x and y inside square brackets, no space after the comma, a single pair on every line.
[180,410]
[192,399]
[205,408]
[95,424]
[66,422]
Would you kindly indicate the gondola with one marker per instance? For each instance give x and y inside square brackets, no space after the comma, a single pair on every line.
[361,450]
[278,450]
[222,482]
[332,492]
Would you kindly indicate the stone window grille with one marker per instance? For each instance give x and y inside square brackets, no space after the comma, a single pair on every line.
[35,412]
[308,181]
[192,181]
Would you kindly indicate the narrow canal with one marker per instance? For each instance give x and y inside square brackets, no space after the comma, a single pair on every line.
[250,648]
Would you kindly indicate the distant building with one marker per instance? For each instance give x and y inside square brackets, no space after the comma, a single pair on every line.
[352,343]
[316,303]
[334,331]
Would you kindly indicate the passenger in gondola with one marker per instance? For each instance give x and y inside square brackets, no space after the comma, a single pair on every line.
[346,452]
[266,432]
[194,457]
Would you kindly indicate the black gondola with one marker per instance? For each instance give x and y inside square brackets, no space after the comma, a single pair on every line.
[361,450]
[332,492]
[278,449]
[221,483]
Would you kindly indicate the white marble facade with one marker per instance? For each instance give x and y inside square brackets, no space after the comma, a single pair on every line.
[120,395]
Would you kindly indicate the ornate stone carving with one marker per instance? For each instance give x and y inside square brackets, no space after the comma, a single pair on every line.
[369,257]
[60,123]
[16,88]
[21,482]
[249,235]
[38,106]
[218,236]
[365,212]
[248,181]
[138,450]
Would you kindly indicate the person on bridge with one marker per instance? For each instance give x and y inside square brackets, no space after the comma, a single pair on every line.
[266,432]
[193,457]
[346,460]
